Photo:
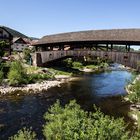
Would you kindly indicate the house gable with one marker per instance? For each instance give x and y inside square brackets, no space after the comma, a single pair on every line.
[19,40]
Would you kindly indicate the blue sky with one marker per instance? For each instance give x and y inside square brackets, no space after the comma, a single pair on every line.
[41,17]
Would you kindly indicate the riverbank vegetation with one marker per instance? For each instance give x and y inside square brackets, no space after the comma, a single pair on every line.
[134,89]
[73,123]
[18,73]
[96,64]
[3,46]
[133,96]
[1,77]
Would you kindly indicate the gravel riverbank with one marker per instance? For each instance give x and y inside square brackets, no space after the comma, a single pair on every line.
[34,88]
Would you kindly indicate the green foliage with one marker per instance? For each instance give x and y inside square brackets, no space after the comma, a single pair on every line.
[27,55]
[24,134]
[77,65]
[119,48]
[32,69]
[91,67]
[68,62]
[3,44]
[73,123]
[135,95]
[39,77]
[104,65]
[14,52]
[6,54]
[138,65]
[58,72]
[1,76]
[135,135]
[17,74]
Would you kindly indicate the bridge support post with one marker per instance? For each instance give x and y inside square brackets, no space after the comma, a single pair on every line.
[107,47]
[61,47]
[126,48]
[96,47]
[111,47]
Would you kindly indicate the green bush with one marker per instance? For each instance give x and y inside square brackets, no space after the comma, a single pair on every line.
[3,45]
[68,62]
[24,134]
[26,54]
[73,123]
[77,65]
[104,65]
[38,77]
[135,96]
[6,54]
[91,67]
[31,69]
[1,76]
[54,71]
[17,74]
[14,52]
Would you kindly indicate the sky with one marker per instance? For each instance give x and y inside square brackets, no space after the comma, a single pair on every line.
[38,18]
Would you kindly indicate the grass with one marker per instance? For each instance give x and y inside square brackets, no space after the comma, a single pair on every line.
[53,71]
[31,69]
[77,65]
[59,72]
[91,67]
[32,78]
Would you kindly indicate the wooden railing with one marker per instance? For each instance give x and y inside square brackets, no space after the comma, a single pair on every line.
[127,58]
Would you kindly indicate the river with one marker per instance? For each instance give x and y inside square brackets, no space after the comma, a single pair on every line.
[102,89]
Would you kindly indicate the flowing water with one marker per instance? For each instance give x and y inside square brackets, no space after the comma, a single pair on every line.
[102,89]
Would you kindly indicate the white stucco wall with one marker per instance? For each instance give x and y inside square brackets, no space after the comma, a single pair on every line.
[18,46]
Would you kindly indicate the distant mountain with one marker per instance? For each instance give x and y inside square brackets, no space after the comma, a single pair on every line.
[13,32]
[34,38]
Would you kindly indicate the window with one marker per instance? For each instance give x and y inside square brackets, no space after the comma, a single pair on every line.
[5,36]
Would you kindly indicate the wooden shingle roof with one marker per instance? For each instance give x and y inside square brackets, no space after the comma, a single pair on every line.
[132,35]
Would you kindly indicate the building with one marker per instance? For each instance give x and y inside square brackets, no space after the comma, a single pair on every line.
[14,38]
[18,44]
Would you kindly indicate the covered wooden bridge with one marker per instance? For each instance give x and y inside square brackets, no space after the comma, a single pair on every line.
[99,43]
